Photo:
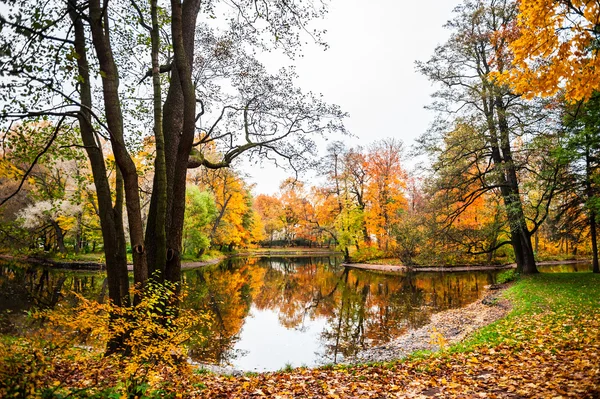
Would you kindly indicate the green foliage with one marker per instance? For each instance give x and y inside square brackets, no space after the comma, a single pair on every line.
[366,254]
[348,226]
[507,276]
[200,212]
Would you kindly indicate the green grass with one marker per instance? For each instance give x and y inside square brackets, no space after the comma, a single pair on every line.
[545,301]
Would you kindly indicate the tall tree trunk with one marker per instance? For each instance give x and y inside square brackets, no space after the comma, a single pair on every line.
[499,141]
[159,255]
[99,23]
[183,28]
[115,254]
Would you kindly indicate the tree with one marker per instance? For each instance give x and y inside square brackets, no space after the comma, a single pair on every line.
[581,156]
[270,210]
[497,120]
[233,222]
[200,211]
[384,191]
[555,46]
[49,48]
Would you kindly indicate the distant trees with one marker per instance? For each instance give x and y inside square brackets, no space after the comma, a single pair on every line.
[58,201]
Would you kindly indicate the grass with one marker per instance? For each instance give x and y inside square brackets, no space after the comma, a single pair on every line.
[541,302]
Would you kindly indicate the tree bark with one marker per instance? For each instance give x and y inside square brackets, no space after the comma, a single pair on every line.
[60,237]
[178,128]
[159,255]
[99,24]
[115,254]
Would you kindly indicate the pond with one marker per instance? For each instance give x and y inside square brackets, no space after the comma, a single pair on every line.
[272,312]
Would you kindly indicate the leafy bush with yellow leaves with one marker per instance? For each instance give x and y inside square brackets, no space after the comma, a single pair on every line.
[66,356]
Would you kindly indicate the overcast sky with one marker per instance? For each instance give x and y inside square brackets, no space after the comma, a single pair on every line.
[369,69]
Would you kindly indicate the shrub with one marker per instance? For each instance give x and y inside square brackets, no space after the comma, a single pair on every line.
[66,354]
[506,276]
[367,253]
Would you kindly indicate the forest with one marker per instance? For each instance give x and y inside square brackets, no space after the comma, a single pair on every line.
[129,133]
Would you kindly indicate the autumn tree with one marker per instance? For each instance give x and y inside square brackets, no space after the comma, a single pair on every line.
[385,190]
[234,220]
[501,124]
[270,210]
[357,177]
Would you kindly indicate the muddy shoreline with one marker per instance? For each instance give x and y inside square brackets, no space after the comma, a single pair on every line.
[444,328]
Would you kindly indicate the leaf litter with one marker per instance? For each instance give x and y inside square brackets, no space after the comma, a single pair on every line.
[551,350]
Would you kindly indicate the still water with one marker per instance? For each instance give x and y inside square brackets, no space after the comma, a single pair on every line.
[271,312]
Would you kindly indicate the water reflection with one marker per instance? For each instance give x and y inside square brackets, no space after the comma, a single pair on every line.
[23,287]
[566,267]
[350,308]
[268,312]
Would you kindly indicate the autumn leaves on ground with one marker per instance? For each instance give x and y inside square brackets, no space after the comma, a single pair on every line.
[548,346]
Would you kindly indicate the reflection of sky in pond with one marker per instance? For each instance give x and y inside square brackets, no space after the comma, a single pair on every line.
[272,311]
[266,345]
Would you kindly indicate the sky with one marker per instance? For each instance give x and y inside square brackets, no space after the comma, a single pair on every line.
[369,71]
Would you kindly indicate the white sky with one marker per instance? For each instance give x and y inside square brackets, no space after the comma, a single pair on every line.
[369,70]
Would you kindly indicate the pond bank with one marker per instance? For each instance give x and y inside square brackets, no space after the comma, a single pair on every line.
[185,265]
[466,268]
[91,265]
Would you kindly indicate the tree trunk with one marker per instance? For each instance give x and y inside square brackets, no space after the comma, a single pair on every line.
[183,28]
[502,157]
[159,194]
[99,24]
[111,222]
[60,237]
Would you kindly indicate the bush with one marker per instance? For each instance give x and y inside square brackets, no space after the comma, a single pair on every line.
[506,276]
[66,355]
[367,253]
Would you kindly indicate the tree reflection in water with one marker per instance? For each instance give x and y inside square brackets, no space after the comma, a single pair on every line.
[361,308]
[357,308]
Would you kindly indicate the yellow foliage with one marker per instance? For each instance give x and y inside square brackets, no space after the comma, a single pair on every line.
[152,334]
[556,49]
